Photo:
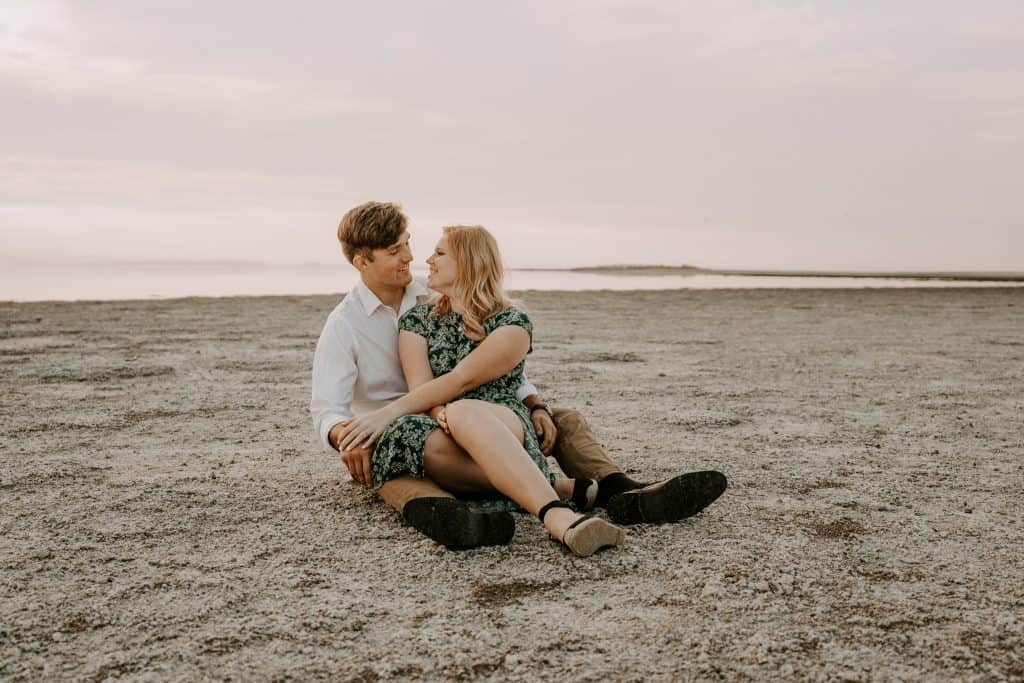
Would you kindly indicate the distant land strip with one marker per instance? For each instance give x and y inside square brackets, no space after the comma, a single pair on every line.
[694,270]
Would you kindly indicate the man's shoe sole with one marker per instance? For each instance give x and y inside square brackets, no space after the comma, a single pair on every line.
[669,501]
[457,525]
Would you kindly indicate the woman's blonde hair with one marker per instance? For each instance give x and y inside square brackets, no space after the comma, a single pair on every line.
[477,293]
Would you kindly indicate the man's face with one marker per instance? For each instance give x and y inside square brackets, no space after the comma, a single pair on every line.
[390,265]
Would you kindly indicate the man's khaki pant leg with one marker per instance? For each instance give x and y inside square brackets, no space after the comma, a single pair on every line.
[577,451]
[400,490]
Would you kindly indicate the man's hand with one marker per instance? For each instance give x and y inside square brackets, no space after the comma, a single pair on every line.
[546,430]
[357,461]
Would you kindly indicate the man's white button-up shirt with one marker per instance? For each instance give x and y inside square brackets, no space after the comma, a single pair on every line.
[356,368]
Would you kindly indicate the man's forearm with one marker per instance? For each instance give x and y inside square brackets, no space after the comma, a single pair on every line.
[333,382]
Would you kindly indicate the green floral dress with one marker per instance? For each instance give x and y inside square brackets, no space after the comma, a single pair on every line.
[400,448]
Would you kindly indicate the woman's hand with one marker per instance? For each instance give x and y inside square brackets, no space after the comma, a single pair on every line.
[440,417]
[364,430]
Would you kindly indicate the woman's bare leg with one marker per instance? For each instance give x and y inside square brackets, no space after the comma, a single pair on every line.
[564,486]
[451,467]
[454,470]
[493,437]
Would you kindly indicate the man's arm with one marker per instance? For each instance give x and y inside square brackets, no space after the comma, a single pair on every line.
[541,419]
[334,381]
[527,390]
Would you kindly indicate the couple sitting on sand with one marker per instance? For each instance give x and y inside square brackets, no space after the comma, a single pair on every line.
[422,389]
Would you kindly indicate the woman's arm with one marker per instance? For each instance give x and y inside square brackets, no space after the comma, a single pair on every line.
[497,354]
[412,351]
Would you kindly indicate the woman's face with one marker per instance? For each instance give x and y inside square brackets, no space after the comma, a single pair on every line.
[442,268]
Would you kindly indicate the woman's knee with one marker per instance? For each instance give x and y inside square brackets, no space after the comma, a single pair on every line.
[471,415]
[458,412]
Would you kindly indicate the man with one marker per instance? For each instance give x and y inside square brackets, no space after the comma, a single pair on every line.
[356,369]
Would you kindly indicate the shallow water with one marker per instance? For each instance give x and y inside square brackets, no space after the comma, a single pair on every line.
[40,282]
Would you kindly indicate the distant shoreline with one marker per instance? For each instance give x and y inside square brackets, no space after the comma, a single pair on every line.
[237,266]
[633,270]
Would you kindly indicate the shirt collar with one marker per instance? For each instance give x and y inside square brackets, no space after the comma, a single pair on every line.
[367,298]
[413,291]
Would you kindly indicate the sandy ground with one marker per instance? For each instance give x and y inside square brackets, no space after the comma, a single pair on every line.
[166,514]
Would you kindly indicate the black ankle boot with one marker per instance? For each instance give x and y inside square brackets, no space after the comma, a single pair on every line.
[612,485]
[457,524]
[668,501]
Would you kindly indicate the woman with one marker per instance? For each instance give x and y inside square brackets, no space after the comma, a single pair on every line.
[469,346]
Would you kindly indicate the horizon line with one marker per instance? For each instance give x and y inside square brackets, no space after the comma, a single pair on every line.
[620,269]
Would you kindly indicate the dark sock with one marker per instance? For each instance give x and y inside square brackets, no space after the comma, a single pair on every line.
[614,483]
[584,494]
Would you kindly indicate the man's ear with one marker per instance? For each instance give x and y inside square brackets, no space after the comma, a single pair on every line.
[359,261]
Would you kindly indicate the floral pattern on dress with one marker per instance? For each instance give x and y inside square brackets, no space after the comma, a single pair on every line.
[400,448]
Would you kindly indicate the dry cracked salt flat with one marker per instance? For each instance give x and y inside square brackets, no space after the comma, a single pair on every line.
[167,516]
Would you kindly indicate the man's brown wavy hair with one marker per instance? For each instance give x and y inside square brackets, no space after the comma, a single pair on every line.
[369,226]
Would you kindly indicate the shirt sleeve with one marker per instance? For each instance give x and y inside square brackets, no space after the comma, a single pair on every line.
[526,388]
[334,380]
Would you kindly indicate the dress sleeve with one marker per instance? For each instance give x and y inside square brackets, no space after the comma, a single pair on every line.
[415,320]
[511,316]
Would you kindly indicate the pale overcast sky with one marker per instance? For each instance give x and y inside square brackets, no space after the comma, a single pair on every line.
[739,133]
